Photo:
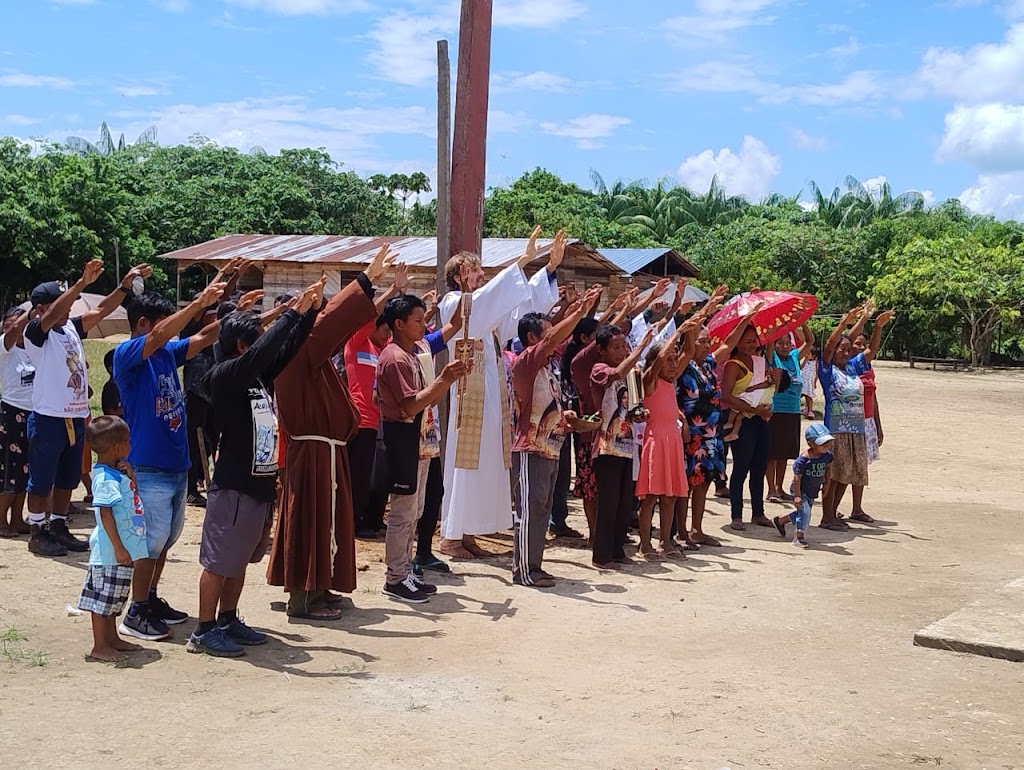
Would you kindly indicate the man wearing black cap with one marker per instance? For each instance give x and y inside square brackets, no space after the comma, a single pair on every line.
[60,402]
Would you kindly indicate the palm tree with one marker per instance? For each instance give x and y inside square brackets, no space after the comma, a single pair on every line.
[617,202]
[830,210]
[714,207]
[866,205]
[105,145]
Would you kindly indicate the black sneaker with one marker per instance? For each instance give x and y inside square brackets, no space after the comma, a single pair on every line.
[165,612]
[426,588]
[59,531]
[42,543]
[196,499]
[144,625]
[407,591]
[777,521]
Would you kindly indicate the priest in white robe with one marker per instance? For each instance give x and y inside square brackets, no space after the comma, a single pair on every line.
[478,497]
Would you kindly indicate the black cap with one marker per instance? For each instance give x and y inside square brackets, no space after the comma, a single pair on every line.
[45,293]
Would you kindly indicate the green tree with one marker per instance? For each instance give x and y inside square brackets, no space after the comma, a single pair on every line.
[960,278]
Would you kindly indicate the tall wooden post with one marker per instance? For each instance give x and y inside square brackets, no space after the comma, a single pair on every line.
[444,162]
[444,222]
[469,146]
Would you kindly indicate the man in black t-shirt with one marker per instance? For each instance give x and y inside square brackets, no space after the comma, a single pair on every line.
[240,501]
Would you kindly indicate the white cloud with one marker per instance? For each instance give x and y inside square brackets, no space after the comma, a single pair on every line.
[303,7]
[348,134]
[19,120]
[749,172]
[501,122]
[806,141]
[587,130]
[406,50]
[847,50]
[536,14]
[985,73]
[990,137]
[171,6]
[714,20]
[998,194]
[531,81]
[24,80]
[737,77]
[135,91]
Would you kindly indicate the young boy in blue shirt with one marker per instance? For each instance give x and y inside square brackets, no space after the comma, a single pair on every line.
[808,476]
[117,541]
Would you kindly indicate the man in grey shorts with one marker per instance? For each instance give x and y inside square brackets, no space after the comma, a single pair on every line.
[240,503]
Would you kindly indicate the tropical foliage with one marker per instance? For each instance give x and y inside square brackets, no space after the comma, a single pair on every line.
[954,277]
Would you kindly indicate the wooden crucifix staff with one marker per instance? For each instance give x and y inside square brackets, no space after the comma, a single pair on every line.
[467,309]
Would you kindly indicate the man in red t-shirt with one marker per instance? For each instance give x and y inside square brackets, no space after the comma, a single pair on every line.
[361,354]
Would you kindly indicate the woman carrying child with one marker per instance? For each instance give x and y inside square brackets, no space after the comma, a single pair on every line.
[662,463]
[746,372]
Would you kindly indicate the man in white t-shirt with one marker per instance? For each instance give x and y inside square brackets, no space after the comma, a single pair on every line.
[16,376]
[60,402]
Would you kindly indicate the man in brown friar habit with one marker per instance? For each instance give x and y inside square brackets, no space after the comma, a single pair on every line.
[314,545]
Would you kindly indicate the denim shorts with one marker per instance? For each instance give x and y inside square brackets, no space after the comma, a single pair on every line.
[163,504]
[52,459]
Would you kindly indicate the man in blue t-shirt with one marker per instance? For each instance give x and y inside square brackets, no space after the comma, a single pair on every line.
[146,373]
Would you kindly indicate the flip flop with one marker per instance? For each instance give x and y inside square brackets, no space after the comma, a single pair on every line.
[690,545]
[775,499]
[435,566]
[862,517]
[710,542]
[834,527]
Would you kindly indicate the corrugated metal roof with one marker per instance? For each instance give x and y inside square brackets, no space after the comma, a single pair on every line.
[357,250]
[632,261]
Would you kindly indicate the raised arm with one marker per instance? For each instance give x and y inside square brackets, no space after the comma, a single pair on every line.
[876,336]
[60,307]
[562,331]
[867,310]
[622,317]
[91,318]
[171,326]
[633,358]
[18,329]
[725,349]
[398,286]
[807,337]
[657,293]
[837,334]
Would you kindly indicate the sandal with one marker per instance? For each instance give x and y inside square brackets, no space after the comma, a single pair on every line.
[861,517]
[778,500]
[834,526]
[326,613]
[738,525]
[690,545]
[710,542]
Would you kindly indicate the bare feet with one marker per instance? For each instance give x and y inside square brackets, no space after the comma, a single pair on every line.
[454,549]
[122,645]
[106,655]
[470,545]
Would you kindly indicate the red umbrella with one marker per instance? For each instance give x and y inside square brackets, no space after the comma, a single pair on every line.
[781,313]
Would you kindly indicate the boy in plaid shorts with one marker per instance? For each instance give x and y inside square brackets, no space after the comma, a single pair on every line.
[117,541]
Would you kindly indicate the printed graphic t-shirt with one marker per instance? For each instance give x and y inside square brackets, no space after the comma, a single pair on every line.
[113,489]
[154,406]
[844,395]
[540,426]
[61,388]
[16,376]
[811,471]
[616,437]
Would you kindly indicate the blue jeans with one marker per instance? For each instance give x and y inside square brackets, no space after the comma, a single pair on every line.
[53,461]
[163,505]
[801,517]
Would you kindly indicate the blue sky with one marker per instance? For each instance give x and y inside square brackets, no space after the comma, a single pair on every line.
[768,94]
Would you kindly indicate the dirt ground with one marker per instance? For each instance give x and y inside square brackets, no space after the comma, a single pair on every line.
[752,655]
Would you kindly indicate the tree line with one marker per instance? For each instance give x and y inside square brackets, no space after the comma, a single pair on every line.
[955,278]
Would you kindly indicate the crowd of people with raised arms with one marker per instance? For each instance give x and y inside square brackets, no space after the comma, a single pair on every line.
[318,421]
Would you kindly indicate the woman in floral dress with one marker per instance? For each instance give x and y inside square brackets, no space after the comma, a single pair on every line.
[698,395]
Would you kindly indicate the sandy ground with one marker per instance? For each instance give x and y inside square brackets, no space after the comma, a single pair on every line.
[753,655]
